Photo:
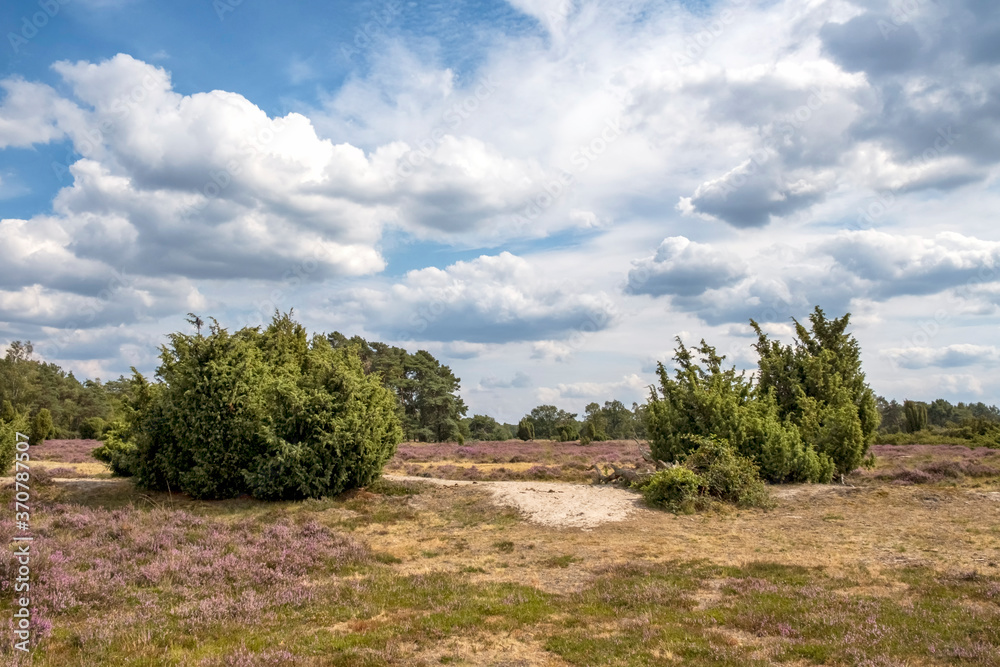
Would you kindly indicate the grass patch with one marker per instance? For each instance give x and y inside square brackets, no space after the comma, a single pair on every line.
[561,561]
[504,546]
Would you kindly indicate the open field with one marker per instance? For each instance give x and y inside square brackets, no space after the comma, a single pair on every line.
[899,566]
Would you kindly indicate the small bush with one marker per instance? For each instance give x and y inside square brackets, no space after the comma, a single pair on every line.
[92,428]
[41,426]
[41,477]
[726,475]
[526,430]
[118,451]
[675,489]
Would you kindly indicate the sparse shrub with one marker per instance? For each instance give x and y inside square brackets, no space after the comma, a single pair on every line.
[41,477]
[542,472]
[504,546]
[675,489]
[41,427]
[726,475]
[92,428]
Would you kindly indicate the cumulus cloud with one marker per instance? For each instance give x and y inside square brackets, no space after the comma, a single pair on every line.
[551,350]
[519,381]
[950,356]
[629,386]
[33,113]
[836,271]
[491,299]
[685,268]
[897,264]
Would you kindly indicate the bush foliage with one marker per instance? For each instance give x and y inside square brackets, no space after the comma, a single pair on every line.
[714,470]
[675,488]
[41,427]
[269,414]
[810,415]
[726,475]
[703,400]
[12,424]
[526,430]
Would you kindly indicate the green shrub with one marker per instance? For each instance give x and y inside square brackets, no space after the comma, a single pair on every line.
[675,489]
[92,428]
[705,400]
[41,427]
[726,475]
[9,428]
[916,416]
[818,386]
[568,433]
[592,433]
[118,451]
[526,430]
[266,413]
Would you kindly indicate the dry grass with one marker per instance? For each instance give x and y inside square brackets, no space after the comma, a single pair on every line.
[873,572]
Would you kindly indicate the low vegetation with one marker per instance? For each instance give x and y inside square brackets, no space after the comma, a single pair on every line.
[880,571]
[185,565]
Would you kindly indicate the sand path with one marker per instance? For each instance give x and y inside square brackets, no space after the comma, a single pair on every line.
[555,503]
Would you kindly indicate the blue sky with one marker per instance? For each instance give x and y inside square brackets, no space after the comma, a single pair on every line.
[542,193]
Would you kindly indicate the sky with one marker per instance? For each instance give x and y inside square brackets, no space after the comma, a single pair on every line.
[541,193]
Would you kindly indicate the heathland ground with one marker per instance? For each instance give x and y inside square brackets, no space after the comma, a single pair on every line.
[899,565]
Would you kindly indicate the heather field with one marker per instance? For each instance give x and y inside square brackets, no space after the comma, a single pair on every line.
[899,566]
[513,459]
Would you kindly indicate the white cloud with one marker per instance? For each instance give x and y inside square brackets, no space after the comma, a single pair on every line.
[490,299]
[950,356]
[683,267]
[629,386]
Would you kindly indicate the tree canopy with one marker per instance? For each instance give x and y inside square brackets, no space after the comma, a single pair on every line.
[427,391]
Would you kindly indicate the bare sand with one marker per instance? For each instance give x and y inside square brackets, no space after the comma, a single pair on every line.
[557,504]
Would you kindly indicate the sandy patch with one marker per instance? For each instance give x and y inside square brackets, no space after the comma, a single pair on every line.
[554,503]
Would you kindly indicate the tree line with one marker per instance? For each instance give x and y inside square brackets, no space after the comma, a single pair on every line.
[807,415]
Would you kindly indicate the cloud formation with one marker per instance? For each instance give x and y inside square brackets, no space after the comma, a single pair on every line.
[490,299]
